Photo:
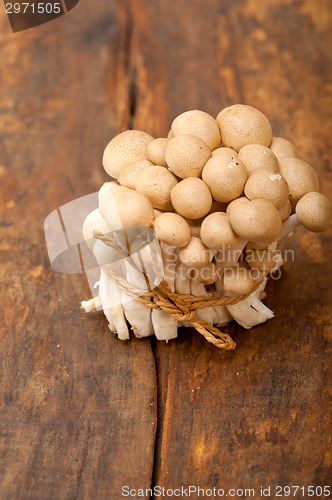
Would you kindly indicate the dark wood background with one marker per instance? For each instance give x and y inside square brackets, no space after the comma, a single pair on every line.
[81,413]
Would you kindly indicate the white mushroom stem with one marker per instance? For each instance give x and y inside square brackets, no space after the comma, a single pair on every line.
[251,311]
[222,315]
[110,297]
[182,285]
[170,260]
[138,315]
[91,305]
[206,313]
[289,226]
[165,327]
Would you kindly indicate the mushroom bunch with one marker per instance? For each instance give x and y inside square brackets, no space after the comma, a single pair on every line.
[219,194]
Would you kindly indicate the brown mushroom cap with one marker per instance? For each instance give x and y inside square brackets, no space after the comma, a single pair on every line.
[241,125]
[126,207]
[216,231]
[225,179]
[129,173]
[186,155]
[301,178]
[238,280]
[286,210]
[125,148]
[94,221]
[314,211]
[191,198]
[199,124]
[228,153]
[195,254]
[256,220]
[256,157]
[235,202]
[262,260]
[206,275]
[156,183]
[283,148]
[156,151]
[269,186]
[172,229]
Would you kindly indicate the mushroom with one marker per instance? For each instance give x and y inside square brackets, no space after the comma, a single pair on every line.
[301,178]
[235,202]
[216,231]
[156,151]
[256,220]
[206,275]
[195,254]
[262,261]
[267,185]
[186,155]
[313,211]
[191,198]
[256,157]
[94,221]
[197,289]
[225,179]
[199,124]
[109,294]
[125,148]
[129,173]
[122,208]
[182,284]
[251,311]
[285,211]
[226,153]
[172,229]
[156,183]
[283,148]
[241,125]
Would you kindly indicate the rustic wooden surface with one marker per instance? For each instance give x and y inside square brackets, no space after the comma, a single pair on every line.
[80,410]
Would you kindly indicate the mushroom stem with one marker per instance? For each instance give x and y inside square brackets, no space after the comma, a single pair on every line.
[110,297]
[91,305]
[182,285]
[289,226]
[207,313]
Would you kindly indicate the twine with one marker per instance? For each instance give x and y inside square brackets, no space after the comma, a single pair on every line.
[182,307]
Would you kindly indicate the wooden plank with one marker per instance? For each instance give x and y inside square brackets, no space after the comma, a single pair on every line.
[78,407]
[258,416]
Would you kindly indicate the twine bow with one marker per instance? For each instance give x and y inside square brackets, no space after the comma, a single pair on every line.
[182,307]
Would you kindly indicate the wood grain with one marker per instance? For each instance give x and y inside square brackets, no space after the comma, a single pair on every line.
[78,407]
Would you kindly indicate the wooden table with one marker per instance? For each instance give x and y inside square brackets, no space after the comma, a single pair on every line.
[82,413]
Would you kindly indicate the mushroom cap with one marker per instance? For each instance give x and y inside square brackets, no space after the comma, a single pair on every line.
[156,183]
[314,211]
[206,275]
[125,208]
[301,178]
[199,124]
[105,255]
[262,260]
[269,186]
[235,202]
[228,153]
[191,198]
[156,151]
[217,232]
[283,148]
[186,155]
[125,148]
[256,220]
[238,280]
[195,254]
[94,221]
[172,229]
[114,185]
[225,179]
[241,125]
[256,157]
[129,173]
[285,211]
